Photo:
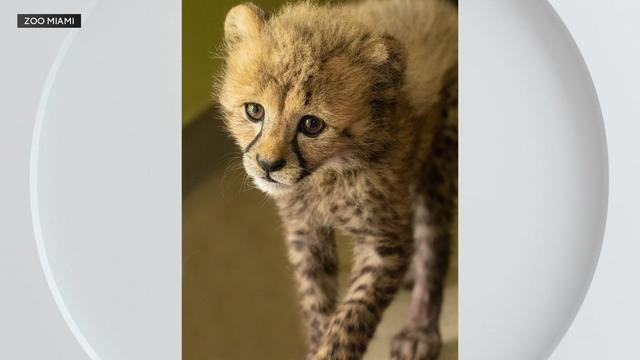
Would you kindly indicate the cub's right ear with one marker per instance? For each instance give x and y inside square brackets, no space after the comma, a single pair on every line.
[243,21]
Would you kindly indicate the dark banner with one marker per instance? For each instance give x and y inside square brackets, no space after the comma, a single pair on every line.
[49,20]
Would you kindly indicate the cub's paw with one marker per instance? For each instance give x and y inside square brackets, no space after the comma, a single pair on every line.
[412,344]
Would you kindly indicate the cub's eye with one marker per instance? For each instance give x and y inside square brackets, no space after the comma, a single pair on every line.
[255,112]
[311,126]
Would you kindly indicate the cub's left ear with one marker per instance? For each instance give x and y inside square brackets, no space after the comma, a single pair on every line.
[243,21]
[387,55]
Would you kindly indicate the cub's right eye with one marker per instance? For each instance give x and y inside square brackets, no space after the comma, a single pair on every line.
[255,112]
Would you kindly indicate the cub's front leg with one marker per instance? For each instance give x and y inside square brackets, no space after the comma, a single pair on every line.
[312,254]
[382,252]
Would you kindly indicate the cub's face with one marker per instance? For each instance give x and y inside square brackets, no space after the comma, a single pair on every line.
[303,92]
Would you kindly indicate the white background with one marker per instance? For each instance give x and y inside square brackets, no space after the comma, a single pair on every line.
[90,128]
[608,34]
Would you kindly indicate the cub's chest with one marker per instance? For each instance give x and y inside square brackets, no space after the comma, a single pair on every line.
[345,202]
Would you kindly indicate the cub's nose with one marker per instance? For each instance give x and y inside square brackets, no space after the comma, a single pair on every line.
[270,166]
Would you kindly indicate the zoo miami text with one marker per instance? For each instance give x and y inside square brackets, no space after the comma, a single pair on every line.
[49,20]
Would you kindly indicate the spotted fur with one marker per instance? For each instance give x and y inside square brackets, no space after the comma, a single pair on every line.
[382,75]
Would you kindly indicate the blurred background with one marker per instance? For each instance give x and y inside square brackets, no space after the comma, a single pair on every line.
[239,300]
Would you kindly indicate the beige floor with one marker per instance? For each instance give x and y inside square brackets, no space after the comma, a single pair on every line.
[238,296]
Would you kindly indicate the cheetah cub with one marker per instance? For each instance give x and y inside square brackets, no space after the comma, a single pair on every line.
[346,116]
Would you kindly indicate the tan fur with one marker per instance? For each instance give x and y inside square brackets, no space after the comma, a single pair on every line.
[382,75]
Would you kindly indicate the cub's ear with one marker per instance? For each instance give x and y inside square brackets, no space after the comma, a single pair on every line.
[242,22]
[387,55]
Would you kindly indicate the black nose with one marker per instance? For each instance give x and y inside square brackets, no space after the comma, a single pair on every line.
[270,166]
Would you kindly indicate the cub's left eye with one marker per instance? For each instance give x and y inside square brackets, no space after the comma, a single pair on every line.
[311,126]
